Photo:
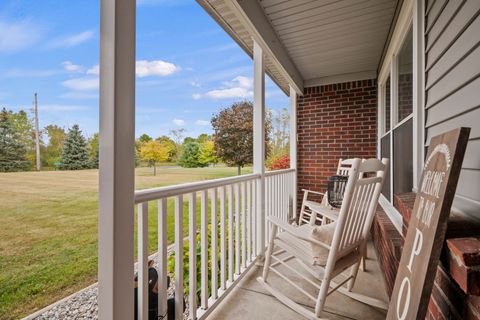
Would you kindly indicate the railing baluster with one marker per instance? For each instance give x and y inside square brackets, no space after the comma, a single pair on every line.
[249,221]
[244,229]
[192,239]
[237,229]
[162,256]
[271,188]
[214,243]
[275,200]
[276,192]
[223,240]
[268,203]
[282,196]
[142,241]
[254,217]
[289,195]
[230,233]
[179,257]
[204,248]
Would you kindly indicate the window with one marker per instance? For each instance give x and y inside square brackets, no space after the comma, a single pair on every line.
[387,92]
[396,141]
[405,78]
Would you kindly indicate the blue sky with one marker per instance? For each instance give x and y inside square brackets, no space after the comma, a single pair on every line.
[187,67]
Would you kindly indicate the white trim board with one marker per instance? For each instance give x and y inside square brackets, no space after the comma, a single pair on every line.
[340,78]
[392,213]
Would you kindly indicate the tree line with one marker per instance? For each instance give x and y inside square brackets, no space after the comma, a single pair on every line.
[231,143]
[67,150]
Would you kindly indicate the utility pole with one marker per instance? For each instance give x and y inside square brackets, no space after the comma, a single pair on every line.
[37,133]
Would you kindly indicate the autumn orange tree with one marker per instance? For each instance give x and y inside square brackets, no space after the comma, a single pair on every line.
[233,137]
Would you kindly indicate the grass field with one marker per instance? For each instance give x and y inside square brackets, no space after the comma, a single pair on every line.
[48,231]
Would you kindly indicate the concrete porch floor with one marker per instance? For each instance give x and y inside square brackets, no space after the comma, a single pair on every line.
[249,300]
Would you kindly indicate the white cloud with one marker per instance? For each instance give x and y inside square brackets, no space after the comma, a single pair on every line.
[237,92]
[16,36]
[71,67]
[145,68]
[179,122]
[239,87]
[72,40]
[195,84]
[86,83]
[95,70]
[202,122]
[244,82]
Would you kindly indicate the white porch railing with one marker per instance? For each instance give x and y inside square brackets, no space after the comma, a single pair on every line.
[228,205]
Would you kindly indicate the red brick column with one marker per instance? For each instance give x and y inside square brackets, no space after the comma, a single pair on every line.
[334,121]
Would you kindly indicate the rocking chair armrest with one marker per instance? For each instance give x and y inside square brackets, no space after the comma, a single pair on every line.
[315,192]
[295,232]
[324,212]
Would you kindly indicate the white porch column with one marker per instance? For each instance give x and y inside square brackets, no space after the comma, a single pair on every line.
[117,176]
[259,140]
[293,147]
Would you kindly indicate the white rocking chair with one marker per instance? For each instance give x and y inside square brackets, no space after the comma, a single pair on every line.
[327,251]
[313,212]
[306,215]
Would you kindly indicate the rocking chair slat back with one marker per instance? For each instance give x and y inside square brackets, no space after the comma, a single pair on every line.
[359,203]
[344,166]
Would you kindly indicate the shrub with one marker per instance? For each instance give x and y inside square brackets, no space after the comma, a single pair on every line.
[279,162]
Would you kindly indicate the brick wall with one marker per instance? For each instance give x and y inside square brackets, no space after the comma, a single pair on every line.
[334,121]
[388,243]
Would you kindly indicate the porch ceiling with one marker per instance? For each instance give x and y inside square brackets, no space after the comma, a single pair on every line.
[323,40]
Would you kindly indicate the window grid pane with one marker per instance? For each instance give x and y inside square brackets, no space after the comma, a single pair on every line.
[387,105]
[405,78]
[385,153]
[403,158]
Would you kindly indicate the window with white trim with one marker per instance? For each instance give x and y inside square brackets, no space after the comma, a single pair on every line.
[396,102]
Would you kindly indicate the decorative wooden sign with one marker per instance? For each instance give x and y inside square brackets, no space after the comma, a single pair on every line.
[427,226]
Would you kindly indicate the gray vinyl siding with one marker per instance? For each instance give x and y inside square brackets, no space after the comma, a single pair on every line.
[452,95]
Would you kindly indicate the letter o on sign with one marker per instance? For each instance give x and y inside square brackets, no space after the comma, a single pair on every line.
[405,283]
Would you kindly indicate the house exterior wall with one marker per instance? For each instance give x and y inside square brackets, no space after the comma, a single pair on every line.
[334,121]
[452,99]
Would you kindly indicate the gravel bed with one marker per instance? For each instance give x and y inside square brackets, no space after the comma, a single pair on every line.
[81,305]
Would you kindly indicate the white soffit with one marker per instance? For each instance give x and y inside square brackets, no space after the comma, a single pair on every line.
[327,40]
[222,11]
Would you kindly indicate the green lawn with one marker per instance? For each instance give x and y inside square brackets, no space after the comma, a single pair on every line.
[48,234]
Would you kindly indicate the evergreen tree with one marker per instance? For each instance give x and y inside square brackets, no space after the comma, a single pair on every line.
[94,150]
[75,150]
[12,151]
[190,156]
